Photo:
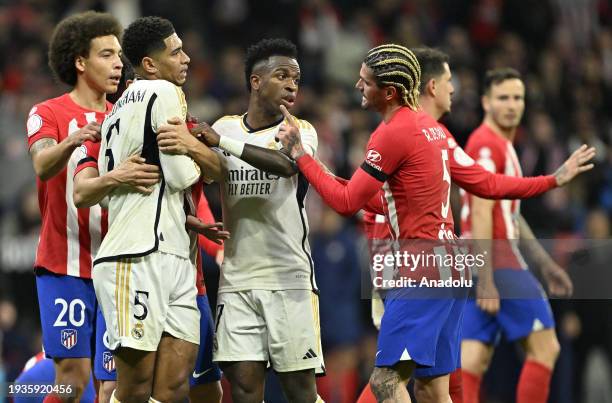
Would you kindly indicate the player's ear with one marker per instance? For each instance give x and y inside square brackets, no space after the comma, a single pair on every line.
[486,102]
[79,63]
[255,82]
[148,65]
[390,92]
[430,88]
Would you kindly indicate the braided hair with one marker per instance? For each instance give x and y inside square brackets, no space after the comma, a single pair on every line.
[397,66]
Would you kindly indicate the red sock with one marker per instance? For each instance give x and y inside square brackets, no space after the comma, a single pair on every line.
[471,386]
[533,383]
[367,396]
[53,398]
[455,388]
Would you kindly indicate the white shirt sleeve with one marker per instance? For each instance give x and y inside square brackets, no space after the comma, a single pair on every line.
[179,171]
[309,137]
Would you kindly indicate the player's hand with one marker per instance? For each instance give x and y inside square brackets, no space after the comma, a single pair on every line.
[576,164]
[214,231]
[89,132]
[557,280]
[487,297]
[175,138]
[206,134]
[137,174]
[289,135]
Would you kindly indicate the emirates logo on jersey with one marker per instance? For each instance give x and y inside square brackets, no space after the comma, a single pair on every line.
[373,156]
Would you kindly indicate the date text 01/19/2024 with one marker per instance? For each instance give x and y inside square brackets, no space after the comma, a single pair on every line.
[39,390]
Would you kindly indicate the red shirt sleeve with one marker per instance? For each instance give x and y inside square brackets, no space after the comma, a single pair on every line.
[481,182]
[89,158]
[41,123]
[383,156]
[204,214]
[375,205]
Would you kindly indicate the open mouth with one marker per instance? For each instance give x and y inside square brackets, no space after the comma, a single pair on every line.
[288,101]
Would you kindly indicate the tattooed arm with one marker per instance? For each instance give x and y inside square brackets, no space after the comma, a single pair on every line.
[49,157]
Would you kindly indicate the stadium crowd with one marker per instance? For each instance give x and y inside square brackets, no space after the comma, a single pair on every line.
[563,48]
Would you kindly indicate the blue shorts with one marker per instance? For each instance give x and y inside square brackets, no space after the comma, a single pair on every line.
[104,362]
[44,372]
[67,314]
[206,371]
[524,309]
[414,327]
[448,350]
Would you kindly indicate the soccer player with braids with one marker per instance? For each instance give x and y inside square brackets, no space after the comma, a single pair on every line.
[408,156]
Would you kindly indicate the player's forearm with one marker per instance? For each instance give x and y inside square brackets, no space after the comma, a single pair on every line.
[346,199]
[482,183]
[49,161]
[208,161]
[530,243]
[271,161]
[482,234]
[89,191]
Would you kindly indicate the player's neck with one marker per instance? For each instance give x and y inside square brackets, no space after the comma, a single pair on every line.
[389,110]
[86,97]
[429,106]
[508,134]
[258,117]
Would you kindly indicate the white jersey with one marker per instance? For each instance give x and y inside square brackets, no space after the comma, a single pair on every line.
[265,216]
[140,224]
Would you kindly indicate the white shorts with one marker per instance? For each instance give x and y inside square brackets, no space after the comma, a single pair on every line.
[279,327]
[141,298]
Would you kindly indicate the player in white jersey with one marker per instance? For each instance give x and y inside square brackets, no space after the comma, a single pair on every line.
[143,274]
[267,310]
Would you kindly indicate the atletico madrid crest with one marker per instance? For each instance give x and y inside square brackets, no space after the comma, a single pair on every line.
[108,362]
[69,338]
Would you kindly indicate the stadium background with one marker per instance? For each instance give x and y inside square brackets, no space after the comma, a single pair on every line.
[562,47]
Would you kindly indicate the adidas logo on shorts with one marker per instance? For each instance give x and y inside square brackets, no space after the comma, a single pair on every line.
[309,354]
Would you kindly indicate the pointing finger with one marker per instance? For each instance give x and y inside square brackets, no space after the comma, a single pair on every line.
[287,115]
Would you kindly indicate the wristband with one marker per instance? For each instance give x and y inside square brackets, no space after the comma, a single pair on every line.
[232,146]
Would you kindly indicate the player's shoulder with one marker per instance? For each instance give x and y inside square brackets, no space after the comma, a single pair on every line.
[50,106]
[228,121]
[303,124]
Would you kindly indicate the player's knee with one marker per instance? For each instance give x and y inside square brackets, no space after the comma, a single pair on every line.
[299,394]
[380,381]
[546,350]
[475,357]
[426,393]
[75,372]
[106,391]
[172,393]
[208,393]
[137,393]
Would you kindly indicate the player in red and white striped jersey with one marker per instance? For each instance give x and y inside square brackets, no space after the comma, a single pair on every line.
[523,312]
[83,53]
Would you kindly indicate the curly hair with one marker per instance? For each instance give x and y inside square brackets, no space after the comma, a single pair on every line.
[264,49]
[72,38]
[397,66]
[145,36]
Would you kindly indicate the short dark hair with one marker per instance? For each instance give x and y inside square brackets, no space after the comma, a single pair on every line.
[127,74]
[265,49]
[145,36]
[72,38]
[496,76]
[432,64]
[397,66]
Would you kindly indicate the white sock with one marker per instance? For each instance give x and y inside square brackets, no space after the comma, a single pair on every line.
[113,399]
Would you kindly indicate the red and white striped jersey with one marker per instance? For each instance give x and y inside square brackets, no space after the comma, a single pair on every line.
[496,154]
[69,236]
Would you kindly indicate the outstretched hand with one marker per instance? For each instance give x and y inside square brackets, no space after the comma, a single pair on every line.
[289,135]
[576,164]
[213,231]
